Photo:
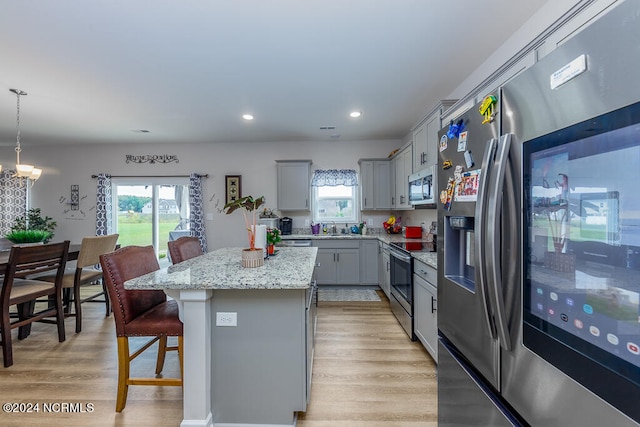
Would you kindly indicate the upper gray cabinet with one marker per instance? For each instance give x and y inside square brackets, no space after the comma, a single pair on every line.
[403,167]
[375,184]
[425,136]
[294,185]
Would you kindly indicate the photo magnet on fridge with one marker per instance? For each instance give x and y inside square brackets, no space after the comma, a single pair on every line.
[462,141]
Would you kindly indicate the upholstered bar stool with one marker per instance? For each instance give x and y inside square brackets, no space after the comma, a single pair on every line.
[184,248]
[139,313]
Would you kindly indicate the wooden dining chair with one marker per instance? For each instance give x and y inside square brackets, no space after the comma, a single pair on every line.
[140,313]
[22,293]
[85,273]
[184,248]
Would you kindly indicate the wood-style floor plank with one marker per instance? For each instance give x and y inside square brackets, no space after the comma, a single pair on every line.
[366,374]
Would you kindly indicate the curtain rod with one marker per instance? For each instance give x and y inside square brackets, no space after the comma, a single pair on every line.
[153,176]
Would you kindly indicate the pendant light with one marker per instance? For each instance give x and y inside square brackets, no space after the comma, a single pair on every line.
[23,170]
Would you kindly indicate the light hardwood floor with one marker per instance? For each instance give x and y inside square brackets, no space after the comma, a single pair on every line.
[366,373]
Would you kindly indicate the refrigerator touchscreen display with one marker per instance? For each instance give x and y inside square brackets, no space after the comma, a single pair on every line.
[583,240]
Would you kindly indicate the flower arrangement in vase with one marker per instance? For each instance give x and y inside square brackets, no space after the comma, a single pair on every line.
[251,257]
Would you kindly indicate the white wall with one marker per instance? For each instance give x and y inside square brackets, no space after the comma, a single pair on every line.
[255,162]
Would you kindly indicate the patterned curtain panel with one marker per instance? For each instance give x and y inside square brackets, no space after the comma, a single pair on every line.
[334,177]
[13,200]
[104,208]
[197,210]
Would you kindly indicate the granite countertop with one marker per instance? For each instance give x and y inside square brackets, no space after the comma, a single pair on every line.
[429,258]
[291,268]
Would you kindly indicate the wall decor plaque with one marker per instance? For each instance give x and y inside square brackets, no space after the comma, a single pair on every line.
[232,188]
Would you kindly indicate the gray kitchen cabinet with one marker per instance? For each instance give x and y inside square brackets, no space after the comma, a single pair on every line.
[425,315]
[338,262]
[376,184]
[369,262]
[294,185]
[384,268]
[425,136]
[403,167]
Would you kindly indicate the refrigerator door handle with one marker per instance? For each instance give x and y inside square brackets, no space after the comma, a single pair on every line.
[493,243]
[481,232]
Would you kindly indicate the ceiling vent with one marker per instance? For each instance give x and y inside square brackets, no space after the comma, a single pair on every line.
[327,128]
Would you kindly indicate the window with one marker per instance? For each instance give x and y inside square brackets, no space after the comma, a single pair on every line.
[335,195]
[150,211]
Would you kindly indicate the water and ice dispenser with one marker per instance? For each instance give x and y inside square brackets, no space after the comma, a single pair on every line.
[459,257]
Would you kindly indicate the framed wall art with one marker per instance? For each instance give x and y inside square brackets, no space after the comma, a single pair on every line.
[232,188]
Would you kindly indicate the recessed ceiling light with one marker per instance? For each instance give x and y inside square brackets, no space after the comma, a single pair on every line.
[141,131]
[355,114]
[247,116]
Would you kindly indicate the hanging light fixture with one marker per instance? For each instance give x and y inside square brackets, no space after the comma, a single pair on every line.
[23,170]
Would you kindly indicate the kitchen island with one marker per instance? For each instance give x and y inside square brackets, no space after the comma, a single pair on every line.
[248,335]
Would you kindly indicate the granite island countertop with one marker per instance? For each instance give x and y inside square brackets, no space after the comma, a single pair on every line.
[291,268]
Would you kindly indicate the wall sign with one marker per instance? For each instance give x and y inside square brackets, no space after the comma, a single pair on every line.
[152,158]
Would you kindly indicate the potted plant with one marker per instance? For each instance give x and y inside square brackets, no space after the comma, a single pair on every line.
[252,256]
[273,237]
[32,228]
[20,237]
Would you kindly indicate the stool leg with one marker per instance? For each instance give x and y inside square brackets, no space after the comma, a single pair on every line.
[123,372]
[162,351]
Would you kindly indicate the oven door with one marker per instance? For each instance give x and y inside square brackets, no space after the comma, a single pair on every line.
[401,279]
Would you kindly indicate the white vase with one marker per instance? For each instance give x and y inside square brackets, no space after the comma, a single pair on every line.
[252,258]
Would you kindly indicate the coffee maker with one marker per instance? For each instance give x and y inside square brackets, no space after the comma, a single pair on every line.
[286,225]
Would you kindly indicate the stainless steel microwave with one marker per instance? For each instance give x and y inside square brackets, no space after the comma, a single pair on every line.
[422,188]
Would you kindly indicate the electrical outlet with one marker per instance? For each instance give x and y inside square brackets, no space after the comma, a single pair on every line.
[307,223]
[226,319]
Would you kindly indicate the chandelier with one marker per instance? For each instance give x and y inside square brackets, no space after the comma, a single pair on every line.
[23,170]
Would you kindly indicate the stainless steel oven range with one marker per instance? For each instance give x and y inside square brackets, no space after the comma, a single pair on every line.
[401,279]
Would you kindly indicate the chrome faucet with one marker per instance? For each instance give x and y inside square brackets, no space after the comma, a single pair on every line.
[333,230]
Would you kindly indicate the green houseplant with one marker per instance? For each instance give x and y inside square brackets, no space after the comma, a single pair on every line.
[251,257]
[32,228]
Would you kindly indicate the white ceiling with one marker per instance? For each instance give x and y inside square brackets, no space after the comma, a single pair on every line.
[186,70]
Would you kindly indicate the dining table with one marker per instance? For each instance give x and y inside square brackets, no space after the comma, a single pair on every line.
[5,250]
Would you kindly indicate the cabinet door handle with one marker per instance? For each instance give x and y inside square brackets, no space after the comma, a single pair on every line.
[306,203]
[334,257]
[393,201]
[433,308]
[338,257]
[388,262]
[365,201]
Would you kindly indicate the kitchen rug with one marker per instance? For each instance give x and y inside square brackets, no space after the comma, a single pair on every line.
[347,295]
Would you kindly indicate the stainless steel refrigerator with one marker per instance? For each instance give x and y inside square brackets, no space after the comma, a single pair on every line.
[539,241]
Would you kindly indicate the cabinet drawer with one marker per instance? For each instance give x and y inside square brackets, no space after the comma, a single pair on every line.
[337,244]
[426,272]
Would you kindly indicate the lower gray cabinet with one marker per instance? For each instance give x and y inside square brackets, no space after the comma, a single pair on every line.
[425,314]
[338,262]
[384,270]
[369,262]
